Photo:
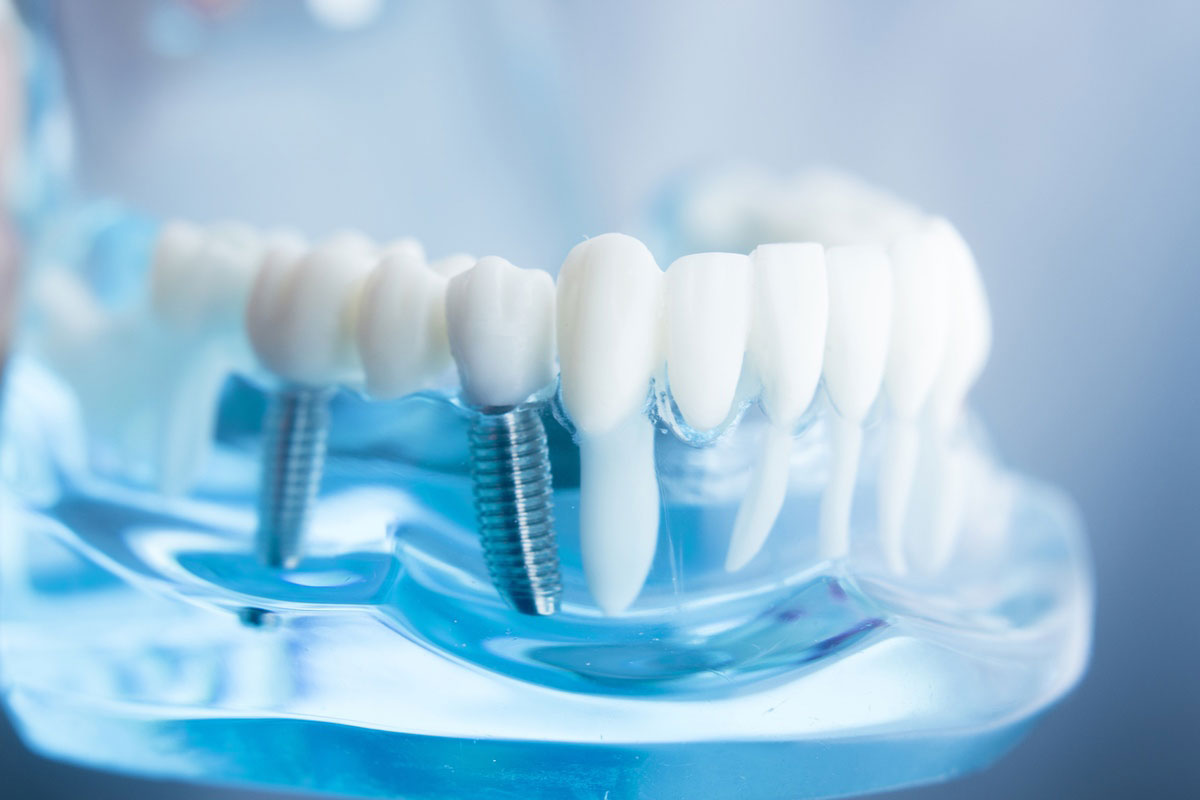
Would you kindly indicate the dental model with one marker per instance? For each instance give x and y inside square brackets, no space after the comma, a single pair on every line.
[500,321]
[610,346]
[787,349]
[856,350]
[300,320]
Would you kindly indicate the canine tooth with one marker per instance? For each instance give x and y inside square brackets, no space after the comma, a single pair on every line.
[609,342]
[920,317]
[300,316]
[787,348]
[968,343]
[402,326]
[708,320]
[856,349]
[500,321]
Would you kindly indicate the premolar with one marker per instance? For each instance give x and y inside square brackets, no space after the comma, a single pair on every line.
[856,349]
[787,348]
[609,339]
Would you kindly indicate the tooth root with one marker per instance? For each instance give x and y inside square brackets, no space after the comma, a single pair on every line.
[856,348]
[500,321]
[763,501]
[708,320]
[897,472]
[787,347]
[618,511]
[609,310]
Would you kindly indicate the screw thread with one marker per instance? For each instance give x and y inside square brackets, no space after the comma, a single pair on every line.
[514,505]
[294,437]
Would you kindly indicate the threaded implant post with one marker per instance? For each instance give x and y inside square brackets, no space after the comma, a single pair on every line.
[295,432]
[514,505]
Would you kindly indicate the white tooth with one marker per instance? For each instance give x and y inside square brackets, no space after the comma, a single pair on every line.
[402,326]
[920,316]
[968,342]
[609,342]
[856,348]
[301,313]
[708,320]
[787,348]
[500,321]
[407,245]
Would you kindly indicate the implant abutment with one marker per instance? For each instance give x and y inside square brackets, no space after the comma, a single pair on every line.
[514,506]
[295,433]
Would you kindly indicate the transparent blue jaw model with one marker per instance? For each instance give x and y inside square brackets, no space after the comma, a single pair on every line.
[140,632]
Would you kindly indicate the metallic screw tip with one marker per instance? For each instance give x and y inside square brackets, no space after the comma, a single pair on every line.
[514,504]
[294,437]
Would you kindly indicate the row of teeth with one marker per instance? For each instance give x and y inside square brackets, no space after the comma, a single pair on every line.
[911,319]
[907,321]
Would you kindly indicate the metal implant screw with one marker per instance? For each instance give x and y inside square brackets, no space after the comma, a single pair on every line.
[514,505]
[295,433]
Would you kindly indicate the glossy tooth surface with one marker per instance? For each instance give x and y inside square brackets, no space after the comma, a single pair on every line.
[856,349]
[787,348]
[609,317]
[707,323]
[302,308]
[609,342]
[500,321]
[401,330]
[920,319]
[452,265]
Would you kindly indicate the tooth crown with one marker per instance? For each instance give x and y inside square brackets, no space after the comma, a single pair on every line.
[300,318]
[708,320]
[500,321]
[609,336]
[200,279]
[920,318]
[791,315]
[860,312]
[401,331]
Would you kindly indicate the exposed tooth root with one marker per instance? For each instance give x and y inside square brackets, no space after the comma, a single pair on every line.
[763,501]
[897,472]
[618,511]
[856,348]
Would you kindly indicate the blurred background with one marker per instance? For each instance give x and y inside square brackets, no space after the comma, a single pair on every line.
[1061,139]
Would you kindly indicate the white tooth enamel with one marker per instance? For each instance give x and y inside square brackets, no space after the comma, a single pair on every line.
[301,313]
[856,348]
[969,340]
[500,321]
[920,317]
[452,265]
[708,320]
[402,326]
[609,342]
[787,348]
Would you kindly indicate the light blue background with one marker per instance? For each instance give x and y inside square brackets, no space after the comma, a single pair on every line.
[1060,137]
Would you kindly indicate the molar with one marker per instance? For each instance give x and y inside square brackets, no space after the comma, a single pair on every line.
[300,316]
[401,327]
[609,339]
[787,347]
[856,349]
